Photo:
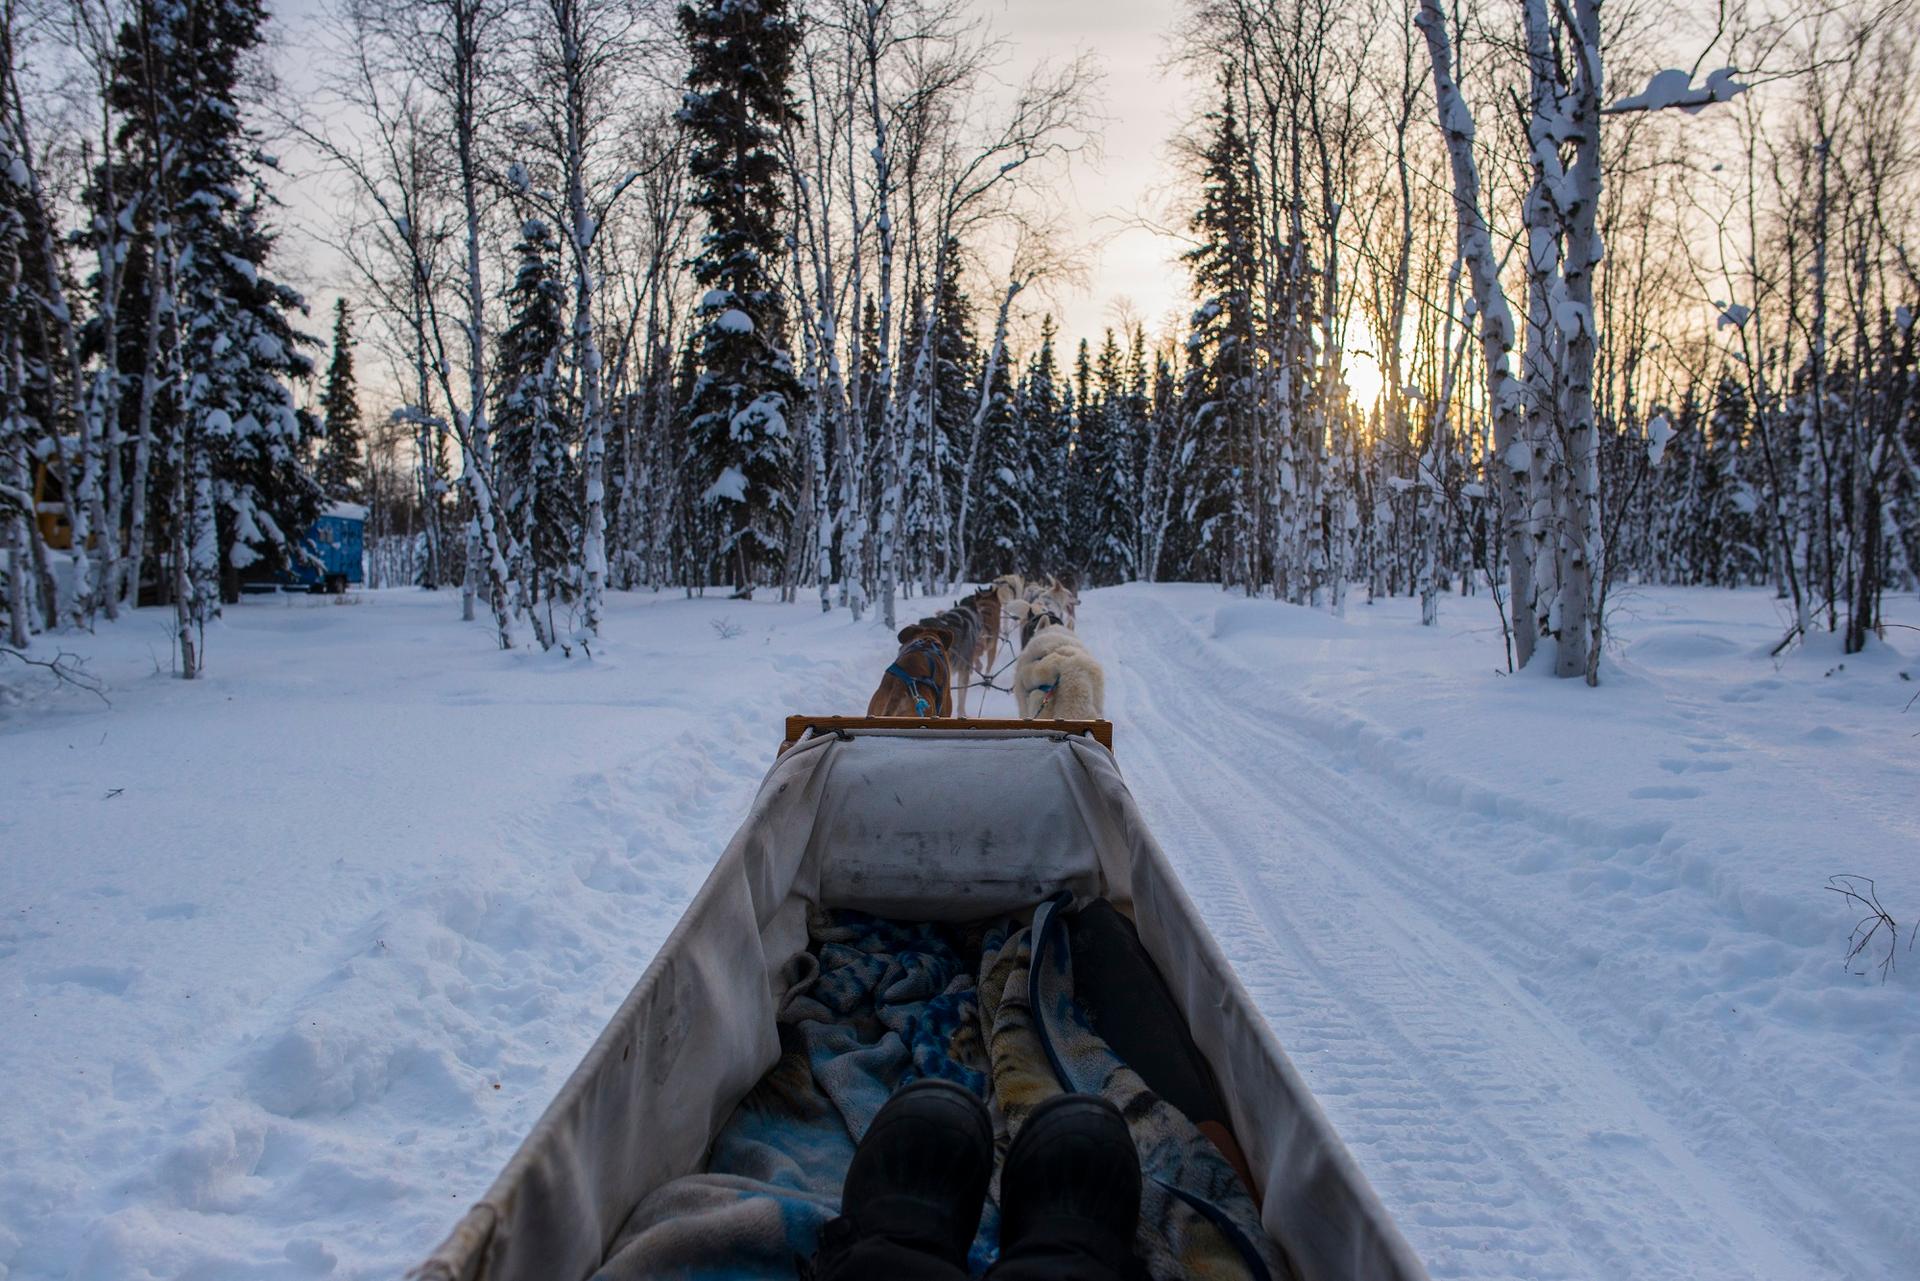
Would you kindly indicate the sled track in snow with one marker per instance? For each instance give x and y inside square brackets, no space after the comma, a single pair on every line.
[1492,1108]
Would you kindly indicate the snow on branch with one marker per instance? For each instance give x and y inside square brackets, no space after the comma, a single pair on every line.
[1659,433]
[1675,88]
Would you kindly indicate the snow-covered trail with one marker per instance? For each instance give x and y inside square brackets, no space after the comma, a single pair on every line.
[1442,963]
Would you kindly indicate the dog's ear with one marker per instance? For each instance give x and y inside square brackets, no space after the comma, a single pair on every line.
[929,628]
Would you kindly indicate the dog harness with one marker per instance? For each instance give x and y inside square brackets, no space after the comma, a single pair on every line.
[1032,626]
[1048,691]
[912,682]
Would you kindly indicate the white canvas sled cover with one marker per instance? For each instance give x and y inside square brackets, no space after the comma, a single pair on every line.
[916,824]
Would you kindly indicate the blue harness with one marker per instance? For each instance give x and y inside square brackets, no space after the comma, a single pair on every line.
[1048,691]
[912,682]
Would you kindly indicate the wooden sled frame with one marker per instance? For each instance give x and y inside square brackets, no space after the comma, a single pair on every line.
[797,726]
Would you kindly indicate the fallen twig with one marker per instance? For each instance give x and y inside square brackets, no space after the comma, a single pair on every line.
[67,669]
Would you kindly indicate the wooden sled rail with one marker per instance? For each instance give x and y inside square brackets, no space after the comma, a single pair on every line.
[797,726]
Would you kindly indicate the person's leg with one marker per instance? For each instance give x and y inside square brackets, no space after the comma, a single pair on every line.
[914,1191]
[1070,1196]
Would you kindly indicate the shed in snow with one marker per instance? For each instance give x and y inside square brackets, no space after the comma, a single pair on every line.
[329,556]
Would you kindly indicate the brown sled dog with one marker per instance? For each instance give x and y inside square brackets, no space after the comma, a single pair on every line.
[986,605]
[919,681]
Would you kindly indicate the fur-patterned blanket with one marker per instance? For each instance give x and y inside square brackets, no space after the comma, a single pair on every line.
[875,1005]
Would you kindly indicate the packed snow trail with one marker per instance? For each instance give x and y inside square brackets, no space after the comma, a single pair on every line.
[301,951]
[1443,969]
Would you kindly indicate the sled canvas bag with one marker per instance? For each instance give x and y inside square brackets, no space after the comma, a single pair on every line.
[914,824]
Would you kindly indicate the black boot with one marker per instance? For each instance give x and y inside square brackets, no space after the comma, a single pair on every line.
[1071,1187]
[918,1179]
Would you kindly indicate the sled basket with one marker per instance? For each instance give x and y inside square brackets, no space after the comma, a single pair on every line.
[916,821]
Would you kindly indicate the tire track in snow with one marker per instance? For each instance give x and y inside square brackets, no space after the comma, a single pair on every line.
[1504,1144]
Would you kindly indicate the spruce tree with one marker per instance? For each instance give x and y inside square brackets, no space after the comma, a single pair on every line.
[1044,429]
[341,467]
[1740,534]
[1002,525]
[736,104]
[1076,481]
[1219,380]
[536,428]
[956,383]
[232,346]
[1106,451]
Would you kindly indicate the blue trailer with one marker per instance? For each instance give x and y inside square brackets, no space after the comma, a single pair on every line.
[335,541]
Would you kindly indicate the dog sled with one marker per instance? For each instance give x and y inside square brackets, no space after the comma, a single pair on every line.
[914,821]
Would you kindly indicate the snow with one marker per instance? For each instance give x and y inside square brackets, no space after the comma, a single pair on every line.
[1674,88]
[306,947]
[1659,432]
[731,487]
[1572,318]
[734,321]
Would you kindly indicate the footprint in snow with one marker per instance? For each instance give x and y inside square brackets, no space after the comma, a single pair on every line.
[1665,792]
[113,980]
[1673,766]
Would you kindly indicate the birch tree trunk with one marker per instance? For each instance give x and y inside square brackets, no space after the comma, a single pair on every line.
[81,484]
[583,227]
[1505,396]
[1582,586]
[486,555]
[883,186]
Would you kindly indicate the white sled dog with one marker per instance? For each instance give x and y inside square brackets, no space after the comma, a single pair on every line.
[1066,600]
[1056,678]
[1010,589]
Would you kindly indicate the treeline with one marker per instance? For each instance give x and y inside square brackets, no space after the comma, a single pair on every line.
[741,291]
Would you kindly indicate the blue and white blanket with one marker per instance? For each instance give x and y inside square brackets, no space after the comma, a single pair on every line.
[875,1004]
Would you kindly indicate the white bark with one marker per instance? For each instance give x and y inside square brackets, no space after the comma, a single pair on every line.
[1505,396]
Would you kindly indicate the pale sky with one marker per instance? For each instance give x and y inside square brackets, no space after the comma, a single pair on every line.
[1142,105]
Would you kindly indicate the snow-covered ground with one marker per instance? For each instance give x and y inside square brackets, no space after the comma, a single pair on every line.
[290,958]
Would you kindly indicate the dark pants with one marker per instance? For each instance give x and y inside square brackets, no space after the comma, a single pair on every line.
[1038,1258]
